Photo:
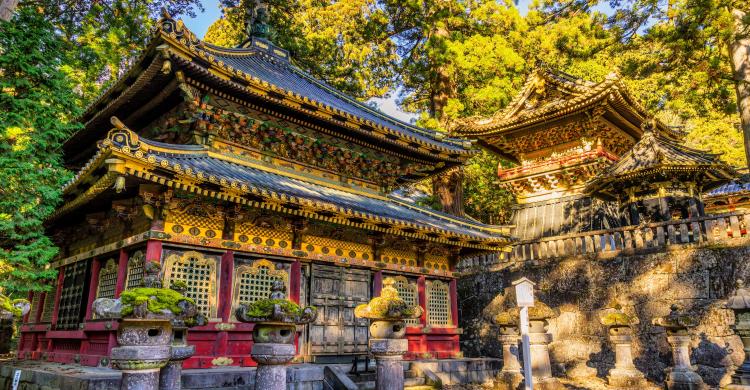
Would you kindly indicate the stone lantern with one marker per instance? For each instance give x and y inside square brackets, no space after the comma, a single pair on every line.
[740,304]
[682,375]
[387,334]
[539,339]
[10,310]
[276,319]
[144,334]
[620,331]
[510,376]
[170,377]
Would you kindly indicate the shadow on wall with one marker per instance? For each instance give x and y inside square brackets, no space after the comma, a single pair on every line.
[698,279]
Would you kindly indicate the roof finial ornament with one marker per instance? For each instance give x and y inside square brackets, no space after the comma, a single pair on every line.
[256,22]
[649,125]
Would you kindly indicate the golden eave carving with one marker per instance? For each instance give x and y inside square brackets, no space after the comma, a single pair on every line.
[138,163]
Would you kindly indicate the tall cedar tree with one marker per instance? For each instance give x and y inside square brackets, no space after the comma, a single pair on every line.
[36,115]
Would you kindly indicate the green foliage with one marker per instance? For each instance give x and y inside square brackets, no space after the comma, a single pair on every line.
[36,116]
[484,199]
[263,308]
[157,300]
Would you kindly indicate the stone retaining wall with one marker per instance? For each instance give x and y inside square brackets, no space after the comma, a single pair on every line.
[697,277]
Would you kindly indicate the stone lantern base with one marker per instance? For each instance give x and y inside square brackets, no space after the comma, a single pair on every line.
[140,365]
[170,377]
[388,356]
[272,359]
[626,378]
[507,380]
[684,380]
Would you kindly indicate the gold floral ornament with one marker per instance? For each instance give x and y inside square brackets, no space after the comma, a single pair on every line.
[388,306]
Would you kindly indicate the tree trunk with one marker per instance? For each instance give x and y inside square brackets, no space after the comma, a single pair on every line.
[7,7]
[739,51]
[448,188]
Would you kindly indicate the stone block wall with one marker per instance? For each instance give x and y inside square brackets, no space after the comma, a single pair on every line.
[697,277]
[459,371]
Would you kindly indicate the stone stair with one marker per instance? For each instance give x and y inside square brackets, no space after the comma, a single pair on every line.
[412,381]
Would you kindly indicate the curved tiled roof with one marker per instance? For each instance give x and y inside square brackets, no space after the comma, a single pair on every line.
[549,94]
[236,180]
[654,154]
[264,67]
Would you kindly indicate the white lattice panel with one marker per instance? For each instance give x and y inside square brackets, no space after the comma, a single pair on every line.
[135,270]
[438,304]
[199,274]
[408,292]
[253,282]
[107,280]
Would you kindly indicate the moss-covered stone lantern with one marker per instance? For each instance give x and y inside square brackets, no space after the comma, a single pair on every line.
[276,319]
[509,377]
[170,377]
[740,304]
[620,330]
[145,333]
[677,325]
[10,311]
[387,331]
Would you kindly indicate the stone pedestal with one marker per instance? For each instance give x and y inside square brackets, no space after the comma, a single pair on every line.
[388,356]
[140,365]
[624,375]
[170,377]
[682,376]
[510,375]
[741,376]
[541,366]
[272,359]
[740,305]
[143,352]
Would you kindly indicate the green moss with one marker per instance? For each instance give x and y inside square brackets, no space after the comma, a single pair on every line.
[264,308]
[6,304]
[157,299]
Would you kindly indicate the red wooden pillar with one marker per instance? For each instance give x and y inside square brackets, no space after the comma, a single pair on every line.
[225,293]
[377,283]
[122,272]
[25,320]
[454,301]
[38,311]
[226,270]
[58,291]
[96,266]
[153,251]
[295,282]
[422,299]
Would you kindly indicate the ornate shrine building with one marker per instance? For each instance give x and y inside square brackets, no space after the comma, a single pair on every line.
[660,180]
[561,131]
[233,168]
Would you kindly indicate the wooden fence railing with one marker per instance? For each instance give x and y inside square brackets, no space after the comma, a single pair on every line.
[713,228]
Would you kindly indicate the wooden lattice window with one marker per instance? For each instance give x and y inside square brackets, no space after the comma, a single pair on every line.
[107,280]
[36,299]
[253,282]
[72,298]
[49,304]
[134,276]
[199,274]
[408,292]
[438,304]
